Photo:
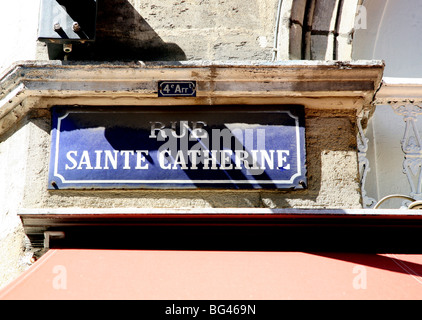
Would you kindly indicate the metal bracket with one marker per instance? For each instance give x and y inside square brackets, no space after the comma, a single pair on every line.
[67,21]
[49,235]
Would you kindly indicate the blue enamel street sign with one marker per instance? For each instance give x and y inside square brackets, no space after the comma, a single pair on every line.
[239,147]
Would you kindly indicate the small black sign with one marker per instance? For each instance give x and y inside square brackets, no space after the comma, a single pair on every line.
[177,88]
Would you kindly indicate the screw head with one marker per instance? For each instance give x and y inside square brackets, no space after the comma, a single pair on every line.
[57,26]
[76,27]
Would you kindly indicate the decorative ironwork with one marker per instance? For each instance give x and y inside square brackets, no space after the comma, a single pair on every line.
[362,142]
[411,145]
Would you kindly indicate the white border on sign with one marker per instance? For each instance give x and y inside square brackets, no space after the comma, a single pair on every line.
[63,180]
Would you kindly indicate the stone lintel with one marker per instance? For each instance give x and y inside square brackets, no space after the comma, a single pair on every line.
[34,85]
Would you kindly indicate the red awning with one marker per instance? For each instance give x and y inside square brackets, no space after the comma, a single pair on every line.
[212,275]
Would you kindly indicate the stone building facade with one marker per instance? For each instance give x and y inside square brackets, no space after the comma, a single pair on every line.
[242,54]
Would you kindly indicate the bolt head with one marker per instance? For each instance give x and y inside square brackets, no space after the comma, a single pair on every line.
[57,26]
[76,27]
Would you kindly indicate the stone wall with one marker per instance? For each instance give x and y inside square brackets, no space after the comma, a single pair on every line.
[152,30]
[331,164]
[219,30]
[14,247]
[132,30]
[18,30]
